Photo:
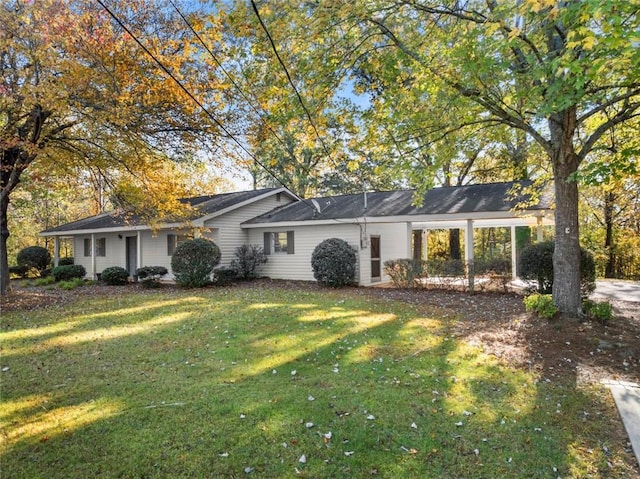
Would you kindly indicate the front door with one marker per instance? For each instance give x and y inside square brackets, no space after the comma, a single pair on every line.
[375,258]
[132,255]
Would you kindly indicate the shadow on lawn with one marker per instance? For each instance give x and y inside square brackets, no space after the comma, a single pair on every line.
[223,385]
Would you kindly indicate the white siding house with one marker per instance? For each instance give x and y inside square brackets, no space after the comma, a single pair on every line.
[380,226]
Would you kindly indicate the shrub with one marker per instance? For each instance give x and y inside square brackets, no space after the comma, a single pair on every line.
[249,259]
[193,262]
[405,272]
[114,276]
[19,271]
[150,275]
[224,276]
[541,304]
[44,281]
[68,272]
[71,284]
[602,312]
[536,263]
[334,263]
[35,257]
[66,261]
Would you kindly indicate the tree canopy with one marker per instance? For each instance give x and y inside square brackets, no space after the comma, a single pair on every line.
[80,96]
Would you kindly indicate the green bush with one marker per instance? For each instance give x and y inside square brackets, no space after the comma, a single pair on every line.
[68,272]
[71,284]
[602,312]
[193,262]
[150,275]
[44,281]
[114,276]
[66,261]
[541,304]
[334,263]
[19,271]
[35,257]
[224,276]
[248,260]
[536,263]
[404,272]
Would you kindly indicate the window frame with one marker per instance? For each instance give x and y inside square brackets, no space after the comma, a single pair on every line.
[101,247]
[272,238]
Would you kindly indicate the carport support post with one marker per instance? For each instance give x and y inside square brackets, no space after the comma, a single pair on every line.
[138,252]
[468,252]
[539,237]
[93,256]
[56,251]
[514,256]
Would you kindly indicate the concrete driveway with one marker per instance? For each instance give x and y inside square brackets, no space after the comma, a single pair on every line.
[613,289]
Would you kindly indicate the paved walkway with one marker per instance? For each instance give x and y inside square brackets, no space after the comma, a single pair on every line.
[627,398]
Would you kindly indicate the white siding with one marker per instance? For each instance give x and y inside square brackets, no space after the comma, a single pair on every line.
[229,233]
[297,266]
[114,254]
[395,243]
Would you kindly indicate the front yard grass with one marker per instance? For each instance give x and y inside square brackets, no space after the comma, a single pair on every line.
[241,382]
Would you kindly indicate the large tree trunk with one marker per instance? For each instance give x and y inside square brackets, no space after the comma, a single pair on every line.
[566,255]
[4,236]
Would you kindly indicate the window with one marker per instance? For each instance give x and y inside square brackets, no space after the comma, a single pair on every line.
[280,242]
[173,240]
[101,246]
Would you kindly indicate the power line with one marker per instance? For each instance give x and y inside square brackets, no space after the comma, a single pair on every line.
[228,75]
[295,89]
[195,100]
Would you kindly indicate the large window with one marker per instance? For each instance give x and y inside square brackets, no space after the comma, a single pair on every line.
[280,242]
[173,240]
[101,247]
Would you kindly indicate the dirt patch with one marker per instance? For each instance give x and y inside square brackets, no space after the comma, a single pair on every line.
[562,349]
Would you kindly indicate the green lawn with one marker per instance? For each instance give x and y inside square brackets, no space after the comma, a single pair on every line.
[279,383]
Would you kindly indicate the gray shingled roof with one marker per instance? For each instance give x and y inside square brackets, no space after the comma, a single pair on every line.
[206,205]
[493,197]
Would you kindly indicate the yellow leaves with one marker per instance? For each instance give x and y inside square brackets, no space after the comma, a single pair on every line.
[537,6]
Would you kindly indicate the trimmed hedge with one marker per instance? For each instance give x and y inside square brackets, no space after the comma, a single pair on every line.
[193,262]
[150,275]
[334,263]
[536,263]
[35,257]
[114,276]
[68,272]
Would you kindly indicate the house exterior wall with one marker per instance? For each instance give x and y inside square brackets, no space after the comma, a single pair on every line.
[297,266]
[395,243]
[115,252]
[229,233]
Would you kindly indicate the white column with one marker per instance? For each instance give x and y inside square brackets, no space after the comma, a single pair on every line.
[425,240]
[514,256]
[93,256]
[56,251]
[468,252]
[539,230]
[139,251]
[409,242]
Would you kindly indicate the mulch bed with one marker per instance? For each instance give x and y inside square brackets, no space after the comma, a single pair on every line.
[561,349]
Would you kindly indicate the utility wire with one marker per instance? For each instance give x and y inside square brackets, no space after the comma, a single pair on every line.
[228,75]
[286,71]
[195,100]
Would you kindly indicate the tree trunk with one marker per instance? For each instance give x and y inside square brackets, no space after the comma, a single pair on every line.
[566,255]
[454,244]
[4,236]
[609,201]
